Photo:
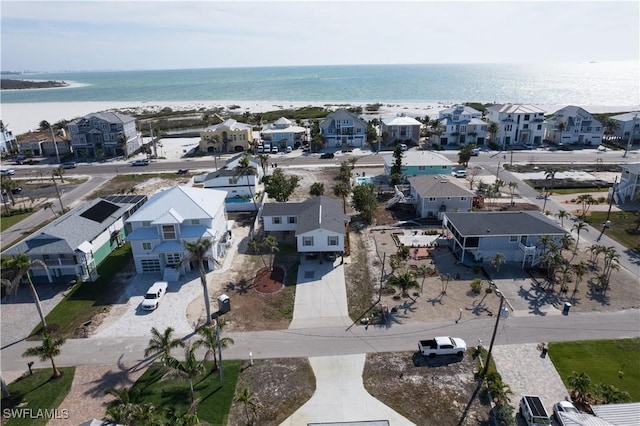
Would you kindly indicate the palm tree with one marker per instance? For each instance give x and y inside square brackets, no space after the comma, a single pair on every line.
[162,343]
[566,241]
[198,252]
[561,215]
[49,205]
[246,397]
[551,174]
[342,190]
[493,130]
[423,272]
[264,163]
[18,267]
[587,201]
[49,349]
[59,171]
[188,369]
[579,226]
[580,384]
[244,168]
[270,244]
[498,260]
[403,281]
[513,186]
[580,271]
[7,184]
[497,388]
[209,339]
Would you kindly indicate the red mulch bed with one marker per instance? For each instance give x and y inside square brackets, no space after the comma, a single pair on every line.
[269,282]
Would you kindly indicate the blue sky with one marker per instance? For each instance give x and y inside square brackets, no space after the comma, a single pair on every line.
[131,35]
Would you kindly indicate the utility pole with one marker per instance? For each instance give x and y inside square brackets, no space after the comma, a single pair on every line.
[493,337]
[633,126]
[607,222]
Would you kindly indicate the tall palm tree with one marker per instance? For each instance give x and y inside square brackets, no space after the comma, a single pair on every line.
[244,168]
[198,252]
[60,172]
[209,339]
[580,271]
[580,384]
[48,205]
[561,215]
[404,281]
[551,175]
[493,130]
[188,369]
[342,190]
[162,344]
[49,349]
[17,268]
[264,163]
[579,226]
[7,184]
[513,186]
[270,245]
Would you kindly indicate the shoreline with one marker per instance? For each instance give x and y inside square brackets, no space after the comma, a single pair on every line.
[23,117]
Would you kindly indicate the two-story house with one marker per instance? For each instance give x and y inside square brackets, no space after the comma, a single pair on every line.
[517,124]
[74,244]
[400,129]
[172,217]
[477,237]
[228,136]
[573,125]
[318,224]
[104,134]
[417,163]
[628,128]
[8,141]
[239,188]
[461,125]
[435,195]
[628,189]
[284,134]
[342,128]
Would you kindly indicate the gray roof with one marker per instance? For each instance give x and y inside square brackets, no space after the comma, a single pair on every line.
[619,414]
[516,109]
[316,213]
[110,117]
[437,186]
[67,233]
[503,223]
[627,116]
[569,113]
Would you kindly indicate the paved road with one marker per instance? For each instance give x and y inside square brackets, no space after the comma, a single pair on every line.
[340,341]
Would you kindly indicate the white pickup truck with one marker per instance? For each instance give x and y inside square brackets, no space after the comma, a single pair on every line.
[153,295]
[442,345]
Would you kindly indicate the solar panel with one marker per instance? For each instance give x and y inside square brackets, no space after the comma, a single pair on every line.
[99,212]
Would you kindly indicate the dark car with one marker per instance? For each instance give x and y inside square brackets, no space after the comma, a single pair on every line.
[327,155]
[331,256]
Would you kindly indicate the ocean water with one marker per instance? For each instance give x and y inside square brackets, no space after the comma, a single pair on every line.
[583,84]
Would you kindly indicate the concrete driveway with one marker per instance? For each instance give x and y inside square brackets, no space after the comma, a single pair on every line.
[340,395]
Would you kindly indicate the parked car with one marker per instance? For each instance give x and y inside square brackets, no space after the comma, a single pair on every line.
[563,407]
[459,173]
[68,165]
[140,163]
[153,295]
[288,150]
[328,155]
[7,172]
[533,412]
[182,171]
[403,146]
[475,152]
[442,345]
[331,256]
[16,191]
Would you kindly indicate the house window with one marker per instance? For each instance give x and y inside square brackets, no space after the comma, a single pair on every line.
[173,258]
[293,219]
[146,223]
[276,220]
[307,241]
[526,117]
[539,126]
[432,199]
[525,126]
[508,127]
[513,239]
[463,198]
[195,221]
[332,241]
[168,232]
[422,168]
[46,257]
[146,246]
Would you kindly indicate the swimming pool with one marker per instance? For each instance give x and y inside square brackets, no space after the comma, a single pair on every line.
[237,200]
[360,180]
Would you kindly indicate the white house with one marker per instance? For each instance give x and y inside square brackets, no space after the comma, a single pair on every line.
[628,190]
[284,133]
[318,224]
[518,124]
[416,163]
[172,217]
[400,129]
[343,128]
[573,125]
[462,125]
[7,140]
[628,129]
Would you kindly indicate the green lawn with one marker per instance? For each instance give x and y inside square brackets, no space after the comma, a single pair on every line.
[37,392]
[215,401]
[602,360]
[86,299]
[625,227]
[9,221]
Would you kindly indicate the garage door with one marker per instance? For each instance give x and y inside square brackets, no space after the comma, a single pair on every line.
[150,265]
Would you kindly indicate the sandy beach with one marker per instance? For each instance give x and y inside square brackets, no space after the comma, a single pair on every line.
[22,117]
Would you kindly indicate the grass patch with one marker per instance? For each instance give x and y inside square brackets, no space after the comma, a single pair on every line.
[215,401]
[615,362]
[7,222]
[625,227]
[37,391]
[87,298]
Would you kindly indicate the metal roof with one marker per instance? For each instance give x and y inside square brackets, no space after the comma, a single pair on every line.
[619,414]
[516,109]
[503,223]
[187,202]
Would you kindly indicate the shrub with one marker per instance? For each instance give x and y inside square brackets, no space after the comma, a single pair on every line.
[476,285]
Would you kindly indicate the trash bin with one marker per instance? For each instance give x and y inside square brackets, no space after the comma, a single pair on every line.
[224,304]
[567,306]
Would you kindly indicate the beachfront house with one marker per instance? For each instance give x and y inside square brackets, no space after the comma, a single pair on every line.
[400,129]
[344,129]
[573,125]
[104,135]
[518,124]
[317,225]
[477,237]
[627,129]
[628,189]
[8,142]
[284,133]
[74,244]
[461,125]
[169,219]
[434,195]
[228,136]
[417,163]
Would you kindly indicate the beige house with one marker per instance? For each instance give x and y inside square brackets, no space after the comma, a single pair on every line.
[228,136]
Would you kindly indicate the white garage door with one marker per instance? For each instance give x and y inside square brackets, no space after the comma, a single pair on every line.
[150,265]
